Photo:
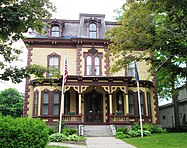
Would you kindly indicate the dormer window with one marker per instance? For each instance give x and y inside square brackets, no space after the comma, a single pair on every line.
[93,26]
[92,30]
[55,31]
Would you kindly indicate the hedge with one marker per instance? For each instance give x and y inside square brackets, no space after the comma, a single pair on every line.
[23,132]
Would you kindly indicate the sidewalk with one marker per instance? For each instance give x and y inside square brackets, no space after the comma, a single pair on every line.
[106,142]
[97,142]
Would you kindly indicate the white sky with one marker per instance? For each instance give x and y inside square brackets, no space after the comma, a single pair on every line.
[70,9]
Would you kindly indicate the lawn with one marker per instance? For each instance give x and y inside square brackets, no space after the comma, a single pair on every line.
[162,140]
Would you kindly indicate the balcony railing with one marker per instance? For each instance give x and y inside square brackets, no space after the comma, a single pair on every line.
[119,119]
[72,118]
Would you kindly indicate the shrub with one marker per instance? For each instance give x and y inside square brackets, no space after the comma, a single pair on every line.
[23,132]
[146,133]
[135,127]
[158,130]
[121,135]
[59,137]
[76,137]
[148,127]
[69,131]
[124,130]
[134,133]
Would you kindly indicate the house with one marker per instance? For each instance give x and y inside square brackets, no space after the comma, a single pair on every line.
[92,95]
[167,115]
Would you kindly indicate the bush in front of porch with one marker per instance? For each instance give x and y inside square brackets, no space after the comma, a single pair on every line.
[67,135]
[148,129]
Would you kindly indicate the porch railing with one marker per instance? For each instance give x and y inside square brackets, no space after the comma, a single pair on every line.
[119,119]
[72,118]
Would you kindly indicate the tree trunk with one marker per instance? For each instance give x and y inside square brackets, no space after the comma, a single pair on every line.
[175,104]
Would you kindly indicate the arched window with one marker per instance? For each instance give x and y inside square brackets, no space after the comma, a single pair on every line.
[55,31]
[56,103]
[131,103]
[96,66]
[35,104]
[53,62]
[92,30]
[88,65]
[45,103]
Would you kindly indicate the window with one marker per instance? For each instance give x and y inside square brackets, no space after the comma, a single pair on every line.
[45,103]
[66,102]
[120,101]
[131,69]
[96,66]
[142,102]
[93,66]
[89,66]
[55,31]
[131,102]
[92,30]
[149,104]
[35,104]
[56,103]
[53,62]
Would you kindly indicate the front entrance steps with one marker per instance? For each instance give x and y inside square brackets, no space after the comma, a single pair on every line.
[97,131]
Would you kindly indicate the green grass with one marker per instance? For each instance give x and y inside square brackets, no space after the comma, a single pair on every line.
[162,140]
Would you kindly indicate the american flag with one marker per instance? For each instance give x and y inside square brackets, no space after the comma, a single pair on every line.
[65,69]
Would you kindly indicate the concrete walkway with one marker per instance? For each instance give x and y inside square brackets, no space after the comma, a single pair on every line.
[106,142]
[97,142]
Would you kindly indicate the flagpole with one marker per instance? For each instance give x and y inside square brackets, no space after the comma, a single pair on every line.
[61,106]
[140,112]
[62,97]
[139,103]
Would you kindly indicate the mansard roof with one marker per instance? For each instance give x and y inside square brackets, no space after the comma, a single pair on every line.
[76,28]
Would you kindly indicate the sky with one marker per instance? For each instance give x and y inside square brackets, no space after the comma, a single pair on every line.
[70,9]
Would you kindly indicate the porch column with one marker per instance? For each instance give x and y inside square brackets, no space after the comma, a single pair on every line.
[127,104]
[110,102]
[80,103]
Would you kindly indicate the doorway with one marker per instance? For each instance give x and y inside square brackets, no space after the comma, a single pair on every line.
[93,105]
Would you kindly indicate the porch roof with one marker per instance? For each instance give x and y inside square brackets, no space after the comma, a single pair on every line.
[94,81]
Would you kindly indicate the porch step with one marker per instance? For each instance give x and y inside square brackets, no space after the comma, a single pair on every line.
[97,131]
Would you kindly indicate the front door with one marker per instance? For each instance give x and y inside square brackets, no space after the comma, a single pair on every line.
[93,107]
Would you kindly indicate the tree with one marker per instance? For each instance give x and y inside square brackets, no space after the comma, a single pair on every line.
[16,18]
[11,102]
[160,27]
